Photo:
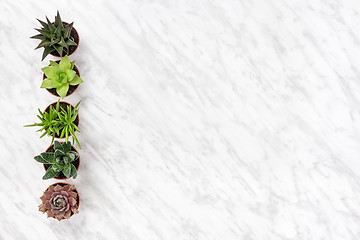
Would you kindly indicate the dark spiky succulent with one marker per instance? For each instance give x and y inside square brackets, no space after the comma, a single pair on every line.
[60,161]
[55,37]
[59,202]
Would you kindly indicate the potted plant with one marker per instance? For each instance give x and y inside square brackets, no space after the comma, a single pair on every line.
[61,80]
[60,201]
[59,120]
[60,160]
[57,38]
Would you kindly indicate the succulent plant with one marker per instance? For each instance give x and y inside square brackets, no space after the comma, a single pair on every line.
[58,122]
[59,202]
[54,36]
[60,76]
[60,161]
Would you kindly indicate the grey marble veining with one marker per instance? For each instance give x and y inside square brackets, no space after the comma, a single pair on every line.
[222,119]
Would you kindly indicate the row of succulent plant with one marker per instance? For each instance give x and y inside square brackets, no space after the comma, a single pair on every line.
[60,119]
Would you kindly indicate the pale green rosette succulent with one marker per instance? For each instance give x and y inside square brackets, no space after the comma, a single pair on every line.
[60,76]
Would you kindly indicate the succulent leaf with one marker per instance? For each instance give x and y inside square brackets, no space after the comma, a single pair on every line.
[72,156]
[47,83]
[39,36]
[57,167]
[67,170]
[50,173]
[47,157]
[47,50]
[44,24]
[62,90]
[58,145]
[66,160]
[44,158]
[67,147]
[73,171]
[76,81]
[65,63]
[70,74]
[70,42]
[59,153]
[54,64]
[44,43]
[50,71]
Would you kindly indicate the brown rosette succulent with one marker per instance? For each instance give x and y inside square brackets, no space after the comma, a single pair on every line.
[59,201]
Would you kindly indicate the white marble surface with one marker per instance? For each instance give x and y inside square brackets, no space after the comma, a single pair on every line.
[210,120]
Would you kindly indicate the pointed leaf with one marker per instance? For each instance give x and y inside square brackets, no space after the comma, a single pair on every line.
[59,153]
[67,170]
[44,24]
[58,145]
[66,160]
[59,49]
[68,29]
[54,64]
[48,157]
[63,43]
[70,42]
[67,147]
[43,43]
[73,171]
[49,71]
[50,173]
[40,159]
[46,83]
[51,26]
[62,90]
[57,167]
[70,74]
[55,83]
[44,32]
[58,19]
[76,81]
[46,52]
[39,36]
[65,63]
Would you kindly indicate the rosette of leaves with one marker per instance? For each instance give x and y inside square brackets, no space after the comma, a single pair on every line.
[60,161]
[58,122]
[54,36]
[60,76]
[59,202]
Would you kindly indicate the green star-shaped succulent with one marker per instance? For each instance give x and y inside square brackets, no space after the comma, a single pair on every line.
[60,76]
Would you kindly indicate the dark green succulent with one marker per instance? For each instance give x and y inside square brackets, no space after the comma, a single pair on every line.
[55,37]
[60,161]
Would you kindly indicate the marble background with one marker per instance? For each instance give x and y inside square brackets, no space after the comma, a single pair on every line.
[200,119]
